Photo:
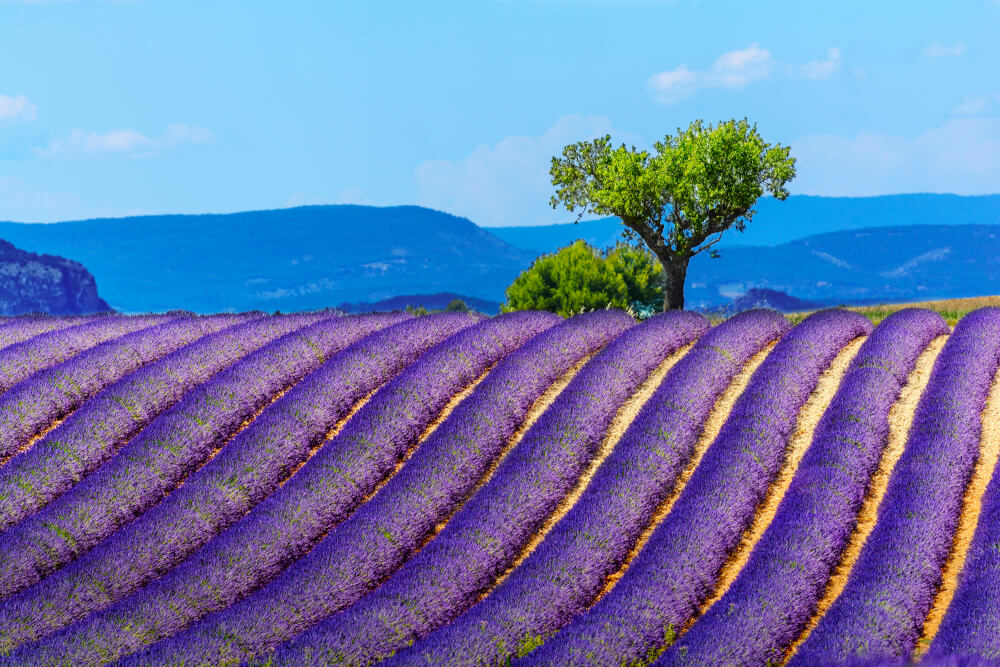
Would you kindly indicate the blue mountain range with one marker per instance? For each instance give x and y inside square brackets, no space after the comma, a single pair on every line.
[822,249]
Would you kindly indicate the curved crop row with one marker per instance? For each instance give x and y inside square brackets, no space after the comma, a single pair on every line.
[971,625]
[677,568]
[382,534]
[19,329]
[287,523]
[567,571]
[37,402]
[775,593]
[245,471]
[93,434]
[486,535]
[881,610]
[26,358]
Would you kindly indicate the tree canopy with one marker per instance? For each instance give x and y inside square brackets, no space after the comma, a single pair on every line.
[580,277]
[679,199]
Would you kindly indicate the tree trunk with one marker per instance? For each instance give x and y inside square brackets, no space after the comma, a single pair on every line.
[676,272]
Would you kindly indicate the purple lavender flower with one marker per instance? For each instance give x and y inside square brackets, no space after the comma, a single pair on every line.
[486,535]
[882,608]
[676,569]
[776,592]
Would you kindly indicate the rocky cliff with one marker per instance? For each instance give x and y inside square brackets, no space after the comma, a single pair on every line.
[46,284]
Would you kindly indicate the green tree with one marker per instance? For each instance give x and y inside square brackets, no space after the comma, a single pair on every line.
[679,200]
[457,306]
[642,274]
[575,278]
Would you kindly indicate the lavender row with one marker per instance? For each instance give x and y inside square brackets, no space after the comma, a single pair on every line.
[486,535]
[383,533]
[246,470]
[106,423]
[567,570]
[881,610]
[19,329]
[677,568]
[29,406]
[20,361]
[285,525]
[777,591]
[971,626]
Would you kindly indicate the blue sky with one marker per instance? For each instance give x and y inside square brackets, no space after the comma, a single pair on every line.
[111,108]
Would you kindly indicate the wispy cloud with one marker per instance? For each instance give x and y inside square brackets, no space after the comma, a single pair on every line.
[508,183]
[125,141]
[17,108]
[972,106]
[961,156]
[938,50]
[734,70]
[822,69]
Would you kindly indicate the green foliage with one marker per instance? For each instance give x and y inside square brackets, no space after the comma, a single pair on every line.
[679,199]
[417,310]
[573,279]
[457,306]
[579,277]
[643,276]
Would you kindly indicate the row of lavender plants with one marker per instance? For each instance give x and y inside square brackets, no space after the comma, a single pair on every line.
[485,537]
[21,360]
[30,406]
[881,610]
[568,569]
[777,591]
[19,329]
[677,569]
[105,424]
[971,626]
[288,522]
[245,471]
[381,535]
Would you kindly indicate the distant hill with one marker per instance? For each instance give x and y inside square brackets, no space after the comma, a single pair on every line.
[33,283]
[797,217]
[429,301]
[877,265]
[321,256]
[290,259]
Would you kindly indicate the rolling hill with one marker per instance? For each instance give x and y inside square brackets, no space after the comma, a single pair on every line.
[779,222]
[290,259]
[870,250]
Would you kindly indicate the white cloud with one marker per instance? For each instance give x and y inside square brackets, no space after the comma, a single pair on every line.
[125,141]
[972,106]
[509,183]
[734,70]
[17,108]
[822,69]
[961,156]
[738,68]
[938,50]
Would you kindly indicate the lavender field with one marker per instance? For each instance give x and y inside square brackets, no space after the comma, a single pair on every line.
[453,489]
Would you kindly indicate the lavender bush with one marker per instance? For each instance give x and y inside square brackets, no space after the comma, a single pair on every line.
[971,626]
[15,330]
[676,570]
[486,535]
[288,522]
[567,570]
[245,471]
[777,591]
[379,537]
[31,405]
[104,424]
[882,608]
[21,360]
